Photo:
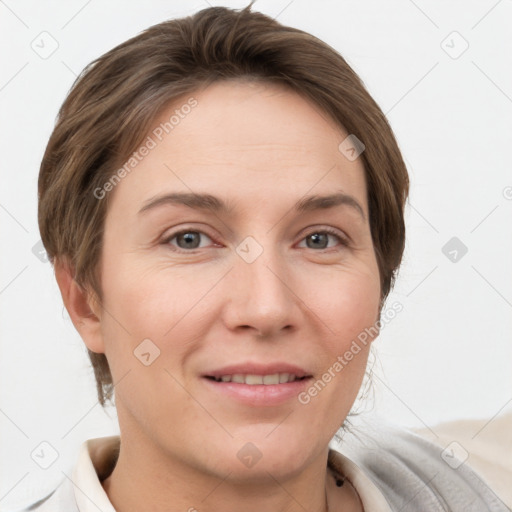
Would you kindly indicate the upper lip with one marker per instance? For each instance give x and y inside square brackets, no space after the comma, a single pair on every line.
[258,369]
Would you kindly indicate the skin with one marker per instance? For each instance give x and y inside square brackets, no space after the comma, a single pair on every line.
[260,147]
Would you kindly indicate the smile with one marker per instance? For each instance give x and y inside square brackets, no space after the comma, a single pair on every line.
[253,380]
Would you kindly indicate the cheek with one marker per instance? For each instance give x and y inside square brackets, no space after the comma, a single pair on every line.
[146,316]
[348,307]
[348,313]
[156,304]
[150,302]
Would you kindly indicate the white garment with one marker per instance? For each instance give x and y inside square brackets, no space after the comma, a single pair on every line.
[392,469]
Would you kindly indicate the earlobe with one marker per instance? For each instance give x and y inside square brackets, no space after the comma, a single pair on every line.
[83,310]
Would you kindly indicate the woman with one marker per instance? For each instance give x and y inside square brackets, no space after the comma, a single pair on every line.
[223,202]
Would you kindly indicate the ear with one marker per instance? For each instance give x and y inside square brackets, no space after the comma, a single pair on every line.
[84,310]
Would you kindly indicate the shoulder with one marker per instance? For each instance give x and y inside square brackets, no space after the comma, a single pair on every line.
[96,458]
[484,444]
[61,499]
[414,473]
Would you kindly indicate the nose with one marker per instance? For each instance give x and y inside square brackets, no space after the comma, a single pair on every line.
[260,296]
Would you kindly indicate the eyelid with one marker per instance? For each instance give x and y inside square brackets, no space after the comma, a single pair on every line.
[167,238]
[344,239]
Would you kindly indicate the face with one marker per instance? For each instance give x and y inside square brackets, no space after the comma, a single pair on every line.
[260,286]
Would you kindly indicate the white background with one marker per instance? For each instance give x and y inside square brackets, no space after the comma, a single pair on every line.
[447,355]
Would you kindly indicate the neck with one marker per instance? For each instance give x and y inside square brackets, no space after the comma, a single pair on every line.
[146,477]
[173,487]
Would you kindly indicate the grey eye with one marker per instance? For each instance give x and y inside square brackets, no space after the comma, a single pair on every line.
[188,239]
[318,240]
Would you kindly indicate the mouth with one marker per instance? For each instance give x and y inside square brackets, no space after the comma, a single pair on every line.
[256,380]
[257,385]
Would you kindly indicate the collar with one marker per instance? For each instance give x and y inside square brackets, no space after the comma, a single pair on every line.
[96,460]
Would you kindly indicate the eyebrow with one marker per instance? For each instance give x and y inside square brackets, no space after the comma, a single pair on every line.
[214,204]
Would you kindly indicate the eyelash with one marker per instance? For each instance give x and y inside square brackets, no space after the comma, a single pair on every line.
[342,240]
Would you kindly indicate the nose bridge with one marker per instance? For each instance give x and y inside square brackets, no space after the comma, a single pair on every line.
[261,297]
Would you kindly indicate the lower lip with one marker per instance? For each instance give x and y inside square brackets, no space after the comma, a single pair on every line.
[259,394]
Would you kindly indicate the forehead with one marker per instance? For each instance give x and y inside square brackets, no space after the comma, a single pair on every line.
[259,116]
[243,138]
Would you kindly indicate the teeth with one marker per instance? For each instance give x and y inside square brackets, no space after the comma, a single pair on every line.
[253,380]
[271,379]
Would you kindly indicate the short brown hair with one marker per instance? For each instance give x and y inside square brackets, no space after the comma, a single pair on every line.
[113,102]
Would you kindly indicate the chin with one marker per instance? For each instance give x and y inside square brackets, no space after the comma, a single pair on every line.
[258,453]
